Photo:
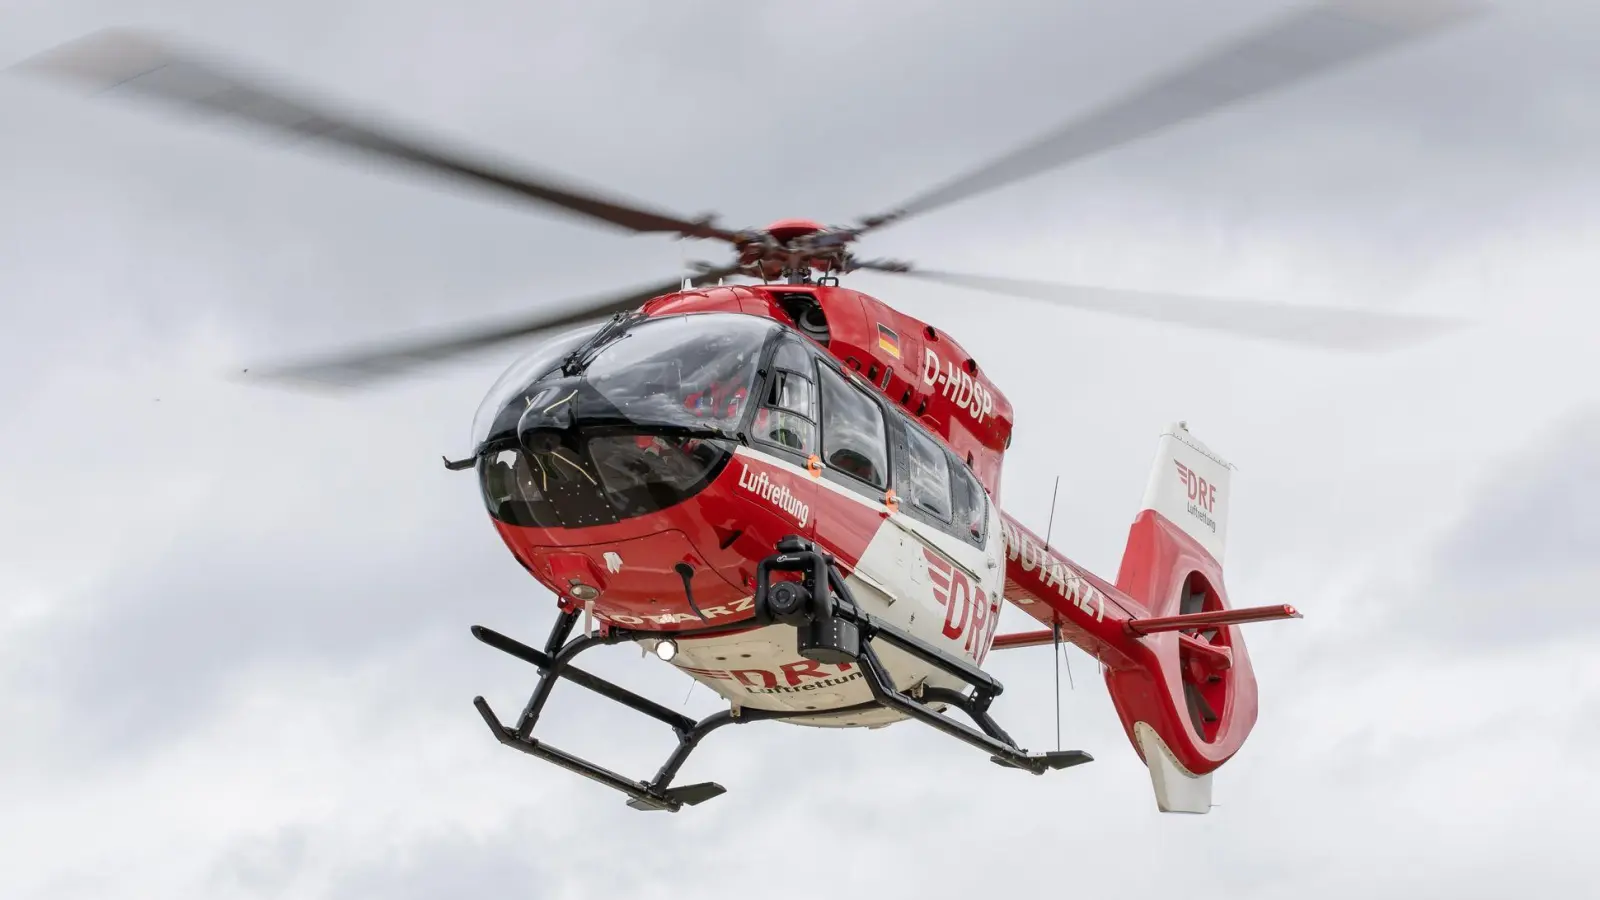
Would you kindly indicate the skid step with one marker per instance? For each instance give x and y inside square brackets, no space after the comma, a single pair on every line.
[1049,760]
[688,795]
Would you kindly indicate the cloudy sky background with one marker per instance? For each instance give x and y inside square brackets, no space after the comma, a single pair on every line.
[234,657]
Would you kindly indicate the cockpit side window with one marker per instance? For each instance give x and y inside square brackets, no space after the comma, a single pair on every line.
[927,484]
[790,355]
[972,504]
[853,432]
[787,416]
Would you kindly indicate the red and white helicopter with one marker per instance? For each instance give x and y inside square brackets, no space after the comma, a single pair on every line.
[789,490]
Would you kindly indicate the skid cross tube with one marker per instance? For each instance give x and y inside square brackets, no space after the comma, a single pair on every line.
[555,663]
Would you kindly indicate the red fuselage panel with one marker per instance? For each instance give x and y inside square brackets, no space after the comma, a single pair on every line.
[721,532]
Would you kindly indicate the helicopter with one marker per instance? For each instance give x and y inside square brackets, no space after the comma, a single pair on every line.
[789,490]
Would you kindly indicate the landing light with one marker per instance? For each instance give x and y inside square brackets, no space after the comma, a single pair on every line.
[666,649]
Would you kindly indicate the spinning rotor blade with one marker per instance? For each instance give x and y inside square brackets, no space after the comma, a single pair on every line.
[1297,47]
[119,59]
[1319,326]
[361,367]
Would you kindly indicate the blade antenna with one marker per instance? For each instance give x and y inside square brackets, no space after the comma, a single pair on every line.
[1055,627]
[1055,618]
[1051,524]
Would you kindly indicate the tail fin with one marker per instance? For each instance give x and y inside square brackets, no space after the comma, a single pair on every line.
[1189,487]
[1173,566]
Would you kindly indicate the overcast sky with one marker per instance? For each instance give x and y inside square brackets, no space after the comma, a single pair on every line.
[234,649]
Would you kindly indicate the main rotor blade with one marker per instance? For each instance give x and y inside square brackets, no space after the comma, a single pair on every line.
[1293,49]
[367,365]
[144,65]
[1326,327]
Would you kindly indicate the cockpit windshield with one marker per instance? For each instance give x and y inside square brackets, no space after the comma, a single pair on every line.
[693,371]
[618,423]
[690,373]
[517,377]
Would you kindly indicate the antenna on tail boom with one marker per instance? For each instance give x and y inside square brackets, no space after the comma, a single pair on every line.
[1055,617]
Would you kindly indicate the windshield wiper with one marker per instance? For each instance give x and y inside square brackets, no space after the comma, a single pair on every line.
[579,358]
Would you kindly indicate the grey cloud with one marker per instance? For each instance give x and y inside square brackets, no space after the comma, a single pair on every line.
[1517,566]
[264,866]
[1536,512]
[1585,725]
[452,865]
[169,646]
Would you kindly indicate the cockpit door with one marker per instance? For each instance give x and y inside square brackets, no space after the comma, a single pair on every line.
[783,428]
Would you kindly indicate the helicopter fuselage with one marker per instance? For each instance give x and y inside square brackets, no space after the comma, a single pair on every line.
[839,420]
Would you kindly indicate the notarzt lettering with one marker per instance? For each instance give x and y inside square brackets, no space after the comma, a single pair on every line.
[1056,575]
[710,612]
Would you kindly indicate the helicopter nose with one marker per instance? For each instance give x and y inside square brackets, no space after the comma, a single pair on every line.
[576,575]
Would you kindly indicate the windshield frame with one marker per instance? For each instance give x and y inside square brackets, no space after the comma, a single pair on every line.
[529,368]
[503,431]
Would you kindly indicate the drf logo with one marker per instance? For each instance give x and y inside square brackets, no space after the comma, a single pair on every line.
[1201,494]
[967,611]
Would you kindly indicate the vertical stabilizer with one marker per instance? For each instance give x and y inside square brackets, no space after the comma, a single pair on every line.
[1190,487]
[1190,707]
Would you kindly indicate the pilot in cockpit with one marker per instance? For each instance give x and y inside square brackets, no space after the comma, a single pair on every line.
[718,388]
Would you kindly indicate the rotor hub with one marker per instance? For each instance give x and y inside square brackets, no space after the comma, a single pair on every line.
[792,249]
[786,230]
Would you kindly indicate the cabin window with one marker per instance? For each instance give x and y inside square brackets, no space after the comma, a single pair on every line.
[790,355]
[972,503]
[788,413]
[853,433]
[927,486]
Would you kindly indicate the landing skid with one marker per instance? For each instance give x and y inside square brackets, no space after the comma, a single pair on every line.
[832,628]
[556,663]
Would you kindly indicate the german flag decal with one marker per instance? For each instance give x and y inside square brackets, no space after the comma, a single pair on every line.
[888,340]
